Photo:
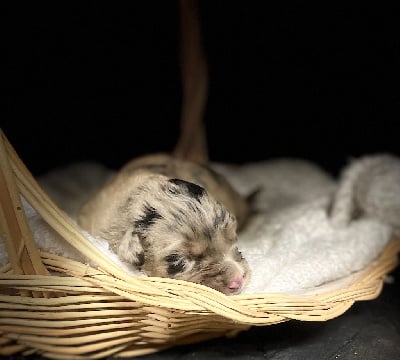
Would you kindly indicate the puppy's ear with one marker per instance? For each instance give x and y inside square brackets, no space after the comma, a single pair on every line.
[130,249]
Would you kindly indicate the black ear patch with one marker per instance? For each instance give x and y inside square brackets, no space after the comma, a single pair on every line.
[193,190]
[150,216]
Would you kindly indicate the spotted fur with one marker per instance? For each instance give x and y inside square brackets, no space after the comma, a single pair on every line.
[157,215]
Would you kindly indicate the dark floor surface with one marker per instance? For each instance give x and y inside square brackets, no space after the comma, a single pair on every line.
[369,330]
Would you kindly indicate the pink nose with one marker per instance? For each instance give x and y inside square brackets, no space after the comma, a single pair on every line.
[236,283]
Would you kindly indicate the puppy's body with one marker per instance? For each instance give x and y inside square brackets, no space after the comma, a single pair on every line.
[156,214]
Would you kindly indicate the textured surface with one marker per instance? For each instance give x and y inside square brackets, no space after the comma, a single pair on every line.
[369,330]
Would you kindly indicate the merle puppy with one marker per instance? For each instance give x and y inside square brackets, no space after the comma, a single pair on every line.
[172,218]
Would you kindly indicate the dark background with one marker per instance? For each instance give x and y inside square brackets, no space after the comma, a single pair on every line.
[100,81]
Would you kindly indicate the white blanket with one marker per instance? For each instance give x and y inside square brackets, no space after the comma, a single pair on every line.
[289,243]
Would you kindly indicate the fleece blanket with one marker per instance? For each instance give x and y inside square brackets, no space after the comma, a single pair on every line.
[290,242]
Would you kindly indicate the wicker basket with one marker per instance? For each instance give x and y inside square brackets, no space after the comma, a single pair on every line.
[80,312]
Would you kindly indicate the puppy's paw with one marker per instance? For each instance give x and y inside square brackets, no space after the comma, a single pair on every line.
[130,249]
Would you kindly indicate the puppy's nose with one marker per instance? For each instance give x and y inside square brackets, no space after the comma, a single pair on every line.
[236,283]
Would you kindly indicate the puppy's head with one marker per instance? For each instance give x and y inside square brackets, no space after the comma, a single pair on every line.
[187,235]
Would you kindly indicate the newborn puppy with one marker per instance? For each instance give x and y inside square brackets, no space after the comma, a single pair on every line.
[157,214]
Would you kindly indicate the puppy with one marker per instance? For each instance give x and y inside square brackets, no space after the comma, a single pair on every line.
[172,218]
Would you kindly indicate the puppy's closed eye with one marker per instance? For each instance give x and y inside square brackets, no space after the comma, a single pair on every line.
[176,263]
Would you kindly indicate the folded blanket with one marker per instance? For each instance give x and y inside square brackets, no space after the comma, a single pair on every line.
[312,229]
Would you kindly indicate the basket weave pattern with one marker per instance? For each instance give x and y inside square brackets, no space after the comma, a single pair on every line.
[63,309]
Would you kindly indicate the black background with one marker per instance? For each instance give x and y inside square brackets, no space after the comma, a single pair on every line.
[101,81]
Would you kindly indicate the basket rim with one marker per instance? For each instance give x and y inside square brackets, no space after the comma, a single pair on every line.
[366,286]
[180,295]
